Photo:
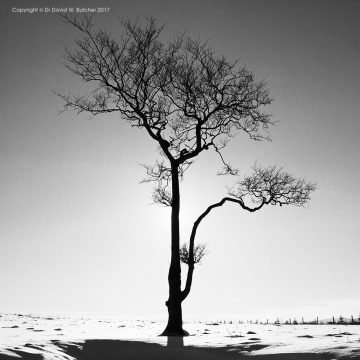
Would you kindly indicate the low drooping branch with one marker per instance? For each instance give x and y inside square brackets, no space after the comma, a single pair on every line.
[265,186]
[191,260]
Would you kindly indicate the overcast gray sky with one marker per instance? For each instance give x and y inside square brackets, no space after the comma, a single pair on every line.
[77,230]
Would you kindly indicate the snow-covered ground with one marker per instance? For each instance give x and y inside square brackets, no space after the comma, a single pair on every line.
[21,334]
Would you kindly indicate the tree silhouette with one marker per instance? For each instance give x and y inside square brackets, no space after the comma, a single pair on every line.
[188,100]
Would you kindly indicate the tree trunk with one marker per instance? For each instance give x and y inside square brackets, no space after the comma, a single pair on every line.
[174,325]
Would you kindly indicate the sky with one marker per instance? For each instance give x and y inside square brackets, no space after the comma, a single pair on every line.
[79,233]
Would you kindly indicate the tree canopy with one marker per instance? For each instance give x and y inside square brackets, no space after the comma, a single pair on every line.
[185,96]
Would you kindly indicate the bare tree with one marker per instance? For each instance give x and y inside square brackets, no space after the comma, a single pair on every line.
[186,98]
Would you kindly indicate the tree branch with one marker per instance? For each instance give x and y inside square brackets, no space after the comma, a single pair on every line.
[266,186]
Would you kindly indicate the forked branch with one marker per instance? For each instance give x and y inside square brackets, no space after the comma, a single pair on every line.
[266,186]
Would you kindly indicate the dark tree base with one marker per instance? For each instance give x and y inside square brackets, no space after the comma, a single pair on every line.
[173,332]
[174,325]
